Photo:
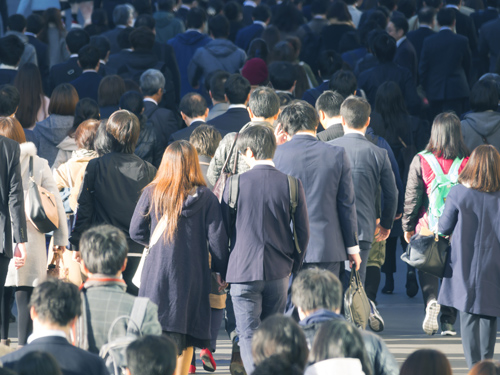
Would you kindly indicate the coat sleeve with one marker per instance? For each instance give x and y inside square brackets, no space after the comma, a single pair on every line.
[217,237]
[346,205]
[449,218]
[414,195]
[301,226]
[61,233]
[60,176]
[140,225]
[390,192]
[16,199]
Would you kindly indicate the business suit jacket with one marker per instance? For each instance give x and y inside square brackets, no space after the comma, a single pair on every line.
[11,196]
[325,173]
[112,36]
[164,120]
[332,132]
[483,16]
[406,56]
[247,12]
[311,95]
[185,133]
[231,121]
[72,360]
[262,246]
[116,60]
[42,56]
[64,73]
[87,85]
[247,34]
[445,66]
[7,76]
[465,26]
[489,44]
[370,167]
[417,37]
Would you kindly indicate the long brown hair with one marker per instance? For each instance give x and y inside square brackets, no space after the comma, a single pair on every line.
[11,128]
[482,171]
[178,174]
[446,137]
[29,83]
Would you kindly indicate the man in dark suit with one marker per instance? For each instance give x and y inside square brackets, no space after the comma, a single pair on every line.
[328,108]
[34,24]
[123,16]
[445,67]
[325,173]
[329,62]
[263,252]
[70,70]
[483,16]
[55,307]
[261,16]
[405,56]
[464,24]
[372,169]
[247,11]
[489,45]
[416,37]
[116,60]
[237,89]
[87,84]
[194,111]
[184,8]
[11,51]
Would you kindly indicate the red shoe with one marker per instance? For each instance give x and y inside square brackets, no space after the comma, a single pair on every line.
[208,360]
[192,369]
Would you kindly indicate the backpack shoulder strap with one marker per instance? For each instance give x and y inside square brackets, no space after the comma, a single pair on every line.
[453,172]
[137,315]
[293,187]
[433,163]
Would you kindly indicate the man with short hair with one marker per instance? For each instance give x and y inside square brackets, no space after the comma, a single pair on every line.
[87,84]
[151,355]
[405,56]
[426,21]
[329,62]
[194,112]
[216,92]
[318,296]
[205,139]
[328,108]
[343,82]
[373,168]
[104,252]
[103,46]
[11,51]
[123,17]
[54,308]
[263,252]
[16,25]
[184,8]
[261,16]
[283,77]
[116,60]
[237,92]
[34,24]
[9,100]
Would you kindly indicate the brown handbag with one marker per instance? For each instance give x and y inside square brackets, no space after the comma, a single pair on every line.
[225,174]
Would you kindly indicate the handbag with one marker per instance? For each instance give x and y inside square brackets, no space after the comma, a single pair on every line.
[41,206]
[160,228]
[427,252]
[356,303]
[220,184]
[56,267]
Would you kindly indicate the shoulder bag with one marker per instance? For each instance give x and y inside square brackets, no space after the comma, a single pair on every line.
[356,304]
[224,175]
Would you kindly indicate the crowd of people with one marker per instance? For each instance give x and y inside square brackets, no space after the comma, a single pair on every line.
[226,160]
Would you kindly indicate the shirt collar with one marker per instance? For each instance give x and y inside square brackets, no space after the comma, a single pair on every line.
[45,333]
[401,40]
[305,133]
[263,162]
[73,55]
[184,7]
[250,3]
[150,100]
[262,23]
[353,131]
[452,6]
[426,26]
[319,17]
[9,67]
[237,106]
[198,31]
[445,28]
[334,121]
[89,71]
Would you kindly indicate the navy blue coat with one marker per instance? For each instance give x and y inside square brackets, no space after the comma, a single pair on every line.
[7,76]
[489,44]
[325,173]
[87,85]
[231,121]
[262,246]
[311,95]
[406,56]
[483,16]
[184,133]
[417,37]
[471,281]
[112,36]
[42,57]
[247,34]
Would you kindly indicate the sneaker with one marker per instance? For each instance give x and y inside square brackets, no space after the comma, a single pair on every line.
[447,329]
[430,324]
[192,369]
[375,321]
[208,360]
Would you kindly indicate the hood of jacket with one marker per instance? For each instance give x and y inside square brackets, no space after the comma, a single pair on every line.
[68,144]
[21,36]
[221,47]
[195,202]
[347,366]
[484,123]
[54,128]
[163,19]
[191,37]
[320,316]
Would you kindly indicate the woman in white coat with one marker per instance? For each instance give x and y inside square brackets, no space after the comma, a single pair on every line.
[35,269]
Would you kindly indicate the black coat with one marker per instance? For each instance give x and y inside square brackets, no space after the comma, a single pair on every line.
[11,197]
[417,37]
[406,56]
[164,121]
[489,44]
[149,146]
[313,94]
[185,133]
[116,60]
[42,57]
[87,85]
[112,36]
[7,76]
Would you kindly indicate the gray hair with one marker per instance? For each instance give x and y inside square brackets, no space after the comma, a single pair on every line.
[151,81]
[264,102]
[122,14]
[316,288]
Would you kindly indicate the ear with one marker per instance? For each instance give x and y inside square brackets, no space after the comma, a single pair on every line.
[343,121]
[184,117]
[210,93]
[322,115]
[250,113]
[206,112]
[127,371]
[98,64]
[124,264]
[33,314]
[367,122]
[248,98]
[159,92]
[293,87]
[226,98]
[275,117]
[107,56]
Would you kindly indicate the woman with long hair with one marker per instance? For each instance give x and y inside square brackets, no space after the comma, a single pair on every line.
[471,281]
[176,271]
[445,154]
[426,361]
[53,34]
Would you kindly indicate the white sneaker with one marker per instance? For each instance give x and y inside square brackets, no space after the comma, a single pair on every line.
[430,325]
[375,321]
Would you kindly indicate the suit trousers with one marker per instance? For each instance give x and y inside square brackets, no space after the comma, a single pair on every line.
[253,302]
[430,285]
[478,337]
[5,311]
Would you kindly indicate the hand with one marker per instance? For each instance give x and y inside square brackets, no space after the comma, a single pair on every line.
[408,235]
[222,284]
[381,234]
[281,136]
[398,217]
[77,257]
[20,260]
[355,259]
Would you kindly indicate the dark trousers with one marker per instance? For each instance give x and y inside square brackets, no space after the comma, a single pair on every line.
[430,285]
[4,268]
[478,337]
[253,302]
[391,245]
[24,323]
[230,320]
[128,274]
[364,247]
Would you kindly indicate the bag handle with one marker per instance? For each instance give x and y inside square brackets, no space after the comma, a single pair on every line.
[230,153]
[31,167]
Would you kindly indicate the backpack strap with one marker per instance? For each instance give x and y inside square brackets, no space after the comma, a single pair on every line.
[453,172]
[293,187]
[433,163]
[137,315]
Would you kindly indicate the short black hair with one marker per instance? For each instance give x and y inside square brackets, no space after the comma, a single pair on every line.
[122,14]
[355,111]
[319,7]
[102,45]
[86,109]
[34,23]
[146,20]
[261,12]
[264,102]
[260,139]
[400,23]
[282,75]
[426,15]
[152,355]
[219,26]
[104,249]
[56,301]
[329,102]
[9,100]
[315,289]
[329,62]
[237,89]
[277,365]
[11,50]
[123,38]
[484,96]
[298,116]
[232,10]
[344,82]
[193,105]
[446,17]
[132,101]
[196,17]
[142,39]
[76,39]
[384,47]
[16,22]
[88,57]
[205,139]
[217,85]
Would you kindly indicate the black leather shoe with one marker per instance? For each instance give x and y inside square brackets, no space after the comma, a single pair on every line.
[411,284]
[389,284]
